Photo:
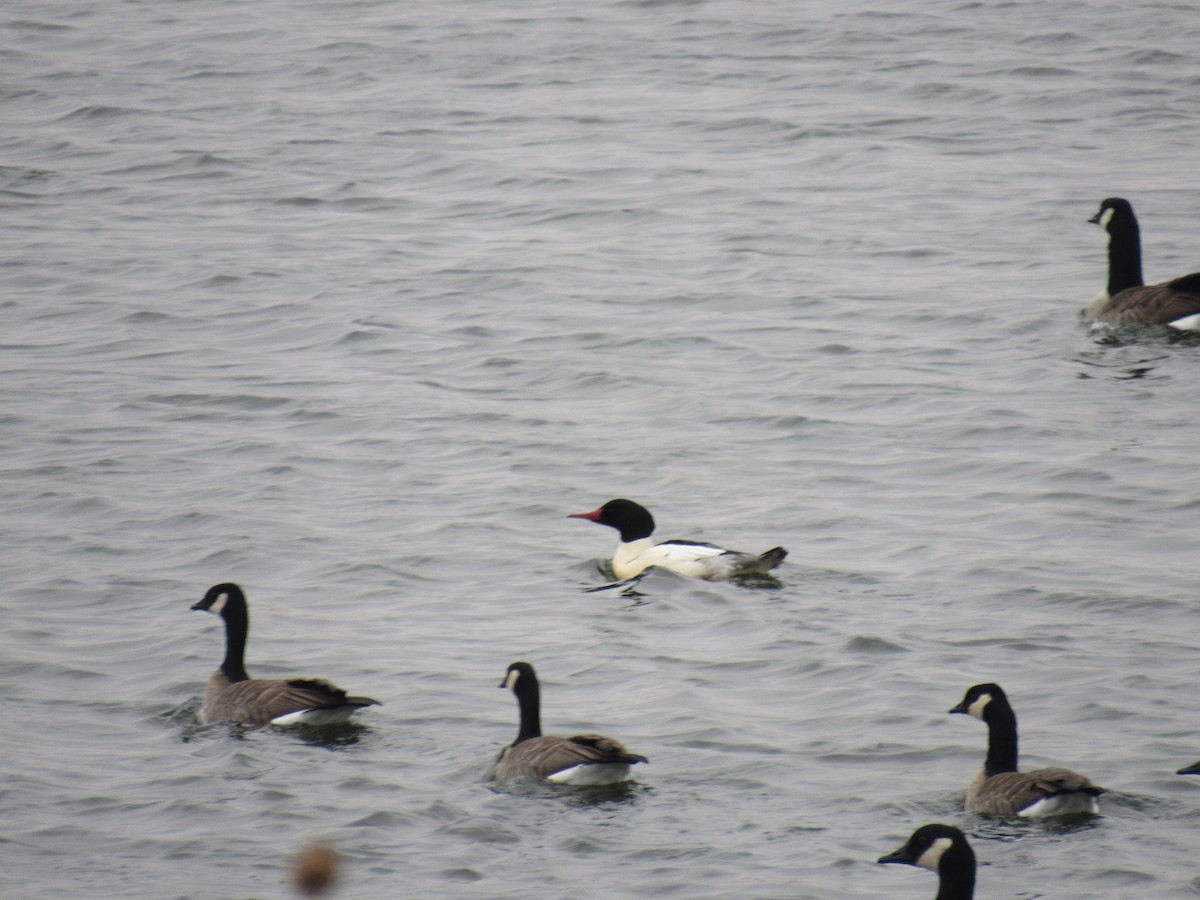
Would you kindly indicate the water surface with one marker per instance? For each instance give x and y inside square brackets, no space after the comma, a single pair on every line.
[353,303]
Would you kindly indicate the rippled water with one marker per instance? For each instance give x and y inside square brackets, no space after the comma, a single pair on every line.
[353,302]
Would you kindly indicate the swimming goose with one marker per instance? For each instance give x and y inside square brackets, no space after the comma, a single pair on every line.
[999,789]
[637,551]
[586,759]
[942,849]
[1127,298]
[233,696]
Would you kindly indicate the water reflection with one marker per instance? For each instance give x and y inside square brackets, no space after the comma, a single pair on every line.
[1122,359]
[332,737]
[591,796]
[1132,352]
[337,736]
[759,582]
[755,581]
[1008,831]
[628,584]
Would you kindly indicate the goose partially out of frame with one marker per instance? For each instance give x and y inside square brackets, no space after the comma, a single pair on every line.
[1126,298]
[944,850]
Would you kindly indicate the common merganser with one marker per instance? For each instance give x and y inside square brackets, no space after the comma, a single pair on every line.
[999,789]
[637,551]
[1127,298]
[233,696]
[586,759]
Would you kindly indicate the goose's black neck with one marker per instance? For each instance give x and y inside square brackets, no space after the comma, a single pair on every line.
[237,626]
[956,873]
[1002,737]
[1124,254]
[530,702]
[227,601]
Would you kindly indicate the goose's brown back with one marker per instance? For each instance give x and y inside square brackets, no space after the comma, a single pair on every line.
[541,757]
[258,701]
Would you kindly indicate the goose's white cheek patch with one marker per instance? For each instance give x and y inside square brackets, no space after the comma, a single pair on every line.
[976,708]
[931,857]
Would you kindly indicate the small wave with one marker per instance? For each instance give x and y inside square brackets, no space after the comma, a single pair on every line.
[96,114]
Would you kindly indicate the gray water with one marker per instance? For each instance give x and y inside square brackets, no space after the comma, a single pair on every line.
[353,302]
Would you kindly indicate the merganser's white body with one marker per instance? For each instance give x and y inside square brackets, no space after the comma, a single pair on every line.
[638,552]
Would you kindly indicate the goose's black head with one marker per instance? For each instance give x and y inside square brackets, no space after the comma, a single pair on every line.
[1115,216]
[519,673]
[631,519]
[223,599]
[978,698]
[929,844]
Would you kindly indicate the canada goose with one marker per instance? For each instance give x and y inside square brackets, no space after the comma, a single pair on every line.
[586,759]
[1193,769]
[233,696]
[999,789]
[942,849]
[1127,298]
[637,551]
